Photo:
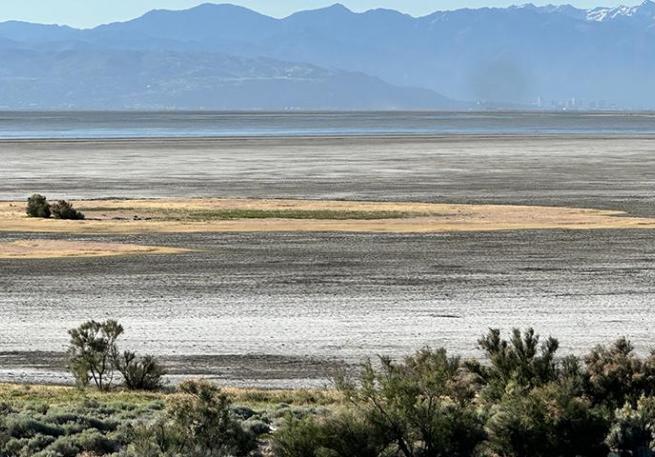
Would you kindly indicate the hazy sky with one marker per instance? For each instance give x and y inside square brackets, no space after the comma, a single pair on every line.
[87,13]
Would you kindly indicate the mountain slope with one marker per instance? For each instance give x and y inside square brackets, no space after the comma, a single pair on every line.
[132,79]
[513,55]
[551,56]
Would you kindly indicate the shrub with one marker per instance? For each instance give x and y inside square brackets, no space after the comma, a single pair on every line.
[198,423]
[416,405]
[139,374]
[91,352]
[93,441]
[633,430]
[616,375]
[298,438]
[152,440]
[38,206]
[548,421]
[64,210]
[256,427]
[520,362]
[204,417]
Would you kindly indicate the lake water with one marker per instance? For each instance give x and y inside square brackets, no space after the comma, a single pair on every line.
[42,125]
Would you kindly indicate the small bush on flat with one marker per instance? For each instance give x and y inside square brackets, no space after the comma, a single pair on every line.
[139,374]
[64,210]
[91,351]
[38,206]
[93,355]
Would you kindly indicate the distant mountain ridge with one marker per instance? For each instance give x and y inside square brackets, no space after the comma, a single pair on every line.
[540,56]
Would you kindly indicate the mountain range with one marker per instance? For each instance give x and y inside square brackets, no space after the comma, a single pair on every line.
[228,57]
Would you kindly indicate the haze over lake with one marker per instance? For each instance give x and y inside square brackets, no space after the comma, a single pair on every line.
[90,125]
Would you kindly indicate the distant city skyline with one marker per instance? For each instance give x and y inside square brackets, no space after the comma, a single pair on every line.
[90,13]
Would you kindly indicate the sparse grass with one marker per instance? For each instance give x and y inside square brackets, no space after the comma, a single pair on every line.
[18,394]
[45,420]
[228,214]
[195,215]
[295,397]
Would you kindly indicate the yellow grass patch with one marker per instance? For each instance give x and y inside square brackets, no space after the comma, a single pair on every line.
[45,249]
[18,394]
[206,215]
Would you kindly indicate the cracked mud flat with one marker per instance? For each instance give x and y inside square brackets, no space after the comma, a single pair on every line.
[337,296]
[282,309]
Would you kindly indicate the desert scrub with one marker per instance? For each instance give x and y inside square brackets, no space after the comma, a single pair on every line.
[46,421]
[64,210]
[37,428]
[38,206]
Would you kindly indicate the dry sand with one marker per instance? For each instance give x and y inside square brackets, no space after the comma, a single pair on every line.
[48,249]
[168,216]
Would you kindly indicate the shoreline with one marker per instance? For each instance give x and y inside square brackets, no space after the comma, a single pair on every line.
[260,371]
[418,137]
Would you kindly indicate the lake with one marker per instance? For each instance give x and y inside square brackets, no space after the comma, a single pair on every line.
[69,125]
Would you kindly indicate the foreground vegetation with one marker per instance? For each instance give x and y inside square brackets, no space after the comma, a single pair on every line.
[521,400]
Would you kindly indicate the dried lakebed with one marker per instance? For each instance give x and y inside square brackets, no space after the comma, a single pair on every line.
[282,309]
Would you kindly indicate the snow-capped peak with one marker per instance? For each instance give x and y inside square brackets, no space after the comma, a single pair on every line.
[646,10]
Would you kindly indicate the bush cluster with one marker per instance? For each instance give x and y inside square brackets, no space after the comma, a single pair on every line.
[199,423]
[64,210]
[523,402]
[38,206]
[93,355]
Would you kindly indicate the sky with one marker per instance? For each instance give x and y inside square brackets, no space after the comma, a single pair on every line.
[89,13]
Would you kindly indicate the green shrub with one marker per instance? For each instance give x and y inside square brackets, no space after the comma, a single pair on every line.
[298,438]
[256,427]
[203,415]
[93,441]
[38,206]
[91,352]
[341,435]
[21,426]
[417,405]
[198,423]
[633,430]
[37,443]
[139,374]
[548,421]
[64,210]
[616,375]
[64,446]
[520,362]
